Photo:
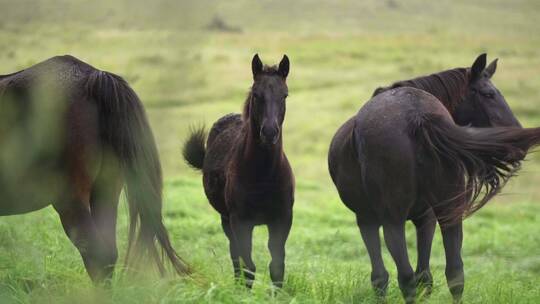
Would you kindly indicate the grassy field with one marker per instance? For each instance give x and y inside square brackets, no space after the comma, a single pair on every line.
[340,52]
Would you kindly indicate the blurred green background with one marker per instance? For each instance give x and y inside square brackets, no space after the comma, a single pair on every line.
[189,61]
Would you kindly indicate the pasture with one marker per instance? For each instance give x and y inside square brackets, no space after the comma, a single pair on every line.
[190,70]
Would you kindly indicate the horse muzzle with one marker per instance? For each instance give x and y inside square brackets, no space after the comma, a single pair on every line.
[269,135]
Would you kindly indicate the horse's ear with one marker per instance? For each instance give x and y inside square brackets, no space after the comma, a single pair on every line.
[492,67]
[256,65]
[478,66]
[284,64]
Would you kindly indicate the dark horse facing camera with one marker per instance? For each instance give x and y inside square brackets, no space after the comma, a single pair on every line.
[246,175]
[437,147]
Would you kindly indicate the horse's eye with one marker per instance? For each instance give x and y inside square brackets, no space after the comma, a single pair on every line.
[488,94]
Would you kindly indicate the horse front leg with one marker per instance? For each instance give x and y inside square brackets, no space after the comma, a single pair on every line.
[278,233]
[243,232]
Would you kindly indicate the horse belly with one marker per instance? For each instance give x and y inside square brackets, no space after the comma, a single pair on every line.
[214,184]
[29,182]
[26,196]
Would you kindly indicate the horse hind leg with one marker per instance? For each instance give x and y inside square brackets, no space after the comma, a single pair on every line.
[394,237]
[104,208]
[379,275]
[88,215]
[425,229]
[82,162]
[81,230]
[452,234]
[455,277]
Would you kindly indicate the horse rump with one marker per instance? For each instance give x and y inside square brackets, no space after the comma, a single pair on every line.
[485,157]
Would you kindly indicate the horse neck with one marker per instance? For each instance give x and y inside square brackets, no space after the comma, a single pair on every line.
[257,156]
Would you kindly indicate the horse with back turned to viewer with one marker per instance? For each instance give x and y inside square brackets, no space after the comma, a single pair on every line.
[73,136]
[246,175]
[434,148]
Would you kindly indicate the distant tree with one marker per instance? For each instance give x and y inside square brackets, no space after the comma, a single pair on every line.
[392,4]
[218,24]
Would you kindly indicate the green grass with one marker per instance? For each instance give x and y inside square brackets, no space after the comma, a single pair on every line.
[340,52]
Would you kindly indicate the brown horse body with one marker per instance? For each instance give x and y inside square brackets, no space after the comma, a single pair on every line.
[73,136]
[403,157]
[246,175]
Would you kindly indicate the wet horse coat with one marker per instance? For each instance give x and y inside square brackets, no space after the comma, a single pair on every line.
[402,157]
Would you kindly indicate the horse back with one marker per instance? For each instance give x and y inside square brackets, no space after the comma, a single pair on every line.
[221,138]
[66,71]
[224,124]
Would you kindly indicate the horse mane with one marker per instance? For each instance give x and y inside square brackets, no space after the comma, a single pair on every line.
[247,104]
[267,70]
[448,86]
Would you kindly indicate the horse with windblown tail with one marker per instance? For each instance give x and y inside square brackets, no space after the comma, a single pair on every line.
[246,175]
[73,136]
[434,148]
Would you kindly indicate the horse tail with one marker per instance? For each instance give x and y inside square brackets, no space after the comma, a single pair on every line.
[124,128]
[194,150]
[486,157]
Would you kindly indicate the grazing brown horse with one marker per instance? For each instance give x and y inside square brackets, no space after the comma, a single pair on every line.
[246,175]
[417,151]
[73,136]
